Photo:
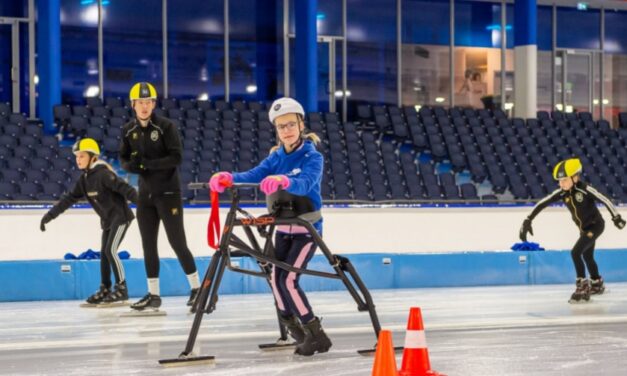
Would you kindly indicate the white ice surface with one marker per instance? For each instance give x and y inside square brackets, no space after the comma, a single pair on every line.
[528,330]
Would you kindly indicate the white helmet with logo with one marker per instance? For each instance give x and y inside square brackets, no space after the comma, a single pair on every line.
[284,106]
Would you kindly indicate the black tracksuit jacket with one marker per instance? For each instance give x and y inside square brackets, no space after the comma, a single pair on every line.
[105,191]
[581,201]
[158,149]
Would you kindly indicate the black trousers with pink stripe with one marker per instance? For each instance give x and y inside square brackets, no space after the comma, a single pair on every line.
[296,250]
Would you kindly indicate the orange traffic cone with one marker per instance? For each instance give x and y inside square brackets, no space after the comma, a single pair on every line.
[415,355]
[384,359]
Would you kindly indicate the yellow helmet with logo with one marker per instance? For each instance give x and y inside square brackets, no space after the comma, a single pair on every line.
[567,168]
[86,144]
[142,90]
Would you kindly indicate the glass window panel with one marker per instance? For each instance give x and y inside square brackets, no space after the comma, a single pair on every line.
[616,31]
[196,49]
[477,76]
[372,51]
[79,51]
[133,50]
[545,59]
[14,8]
[425,53]
[545,28]
[578,29]
[477,67]
[477,24]
[255,36]
[615,86]
[329,17]
[6,62]
[615,65]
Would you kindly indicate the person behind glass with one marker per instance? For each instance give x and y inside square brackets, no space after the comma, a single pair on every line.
[290,177]
[108,195]
[151,147]
[580,198]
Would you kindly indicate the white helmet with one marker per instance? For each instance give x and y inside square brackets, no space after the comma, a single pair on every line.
[284,106]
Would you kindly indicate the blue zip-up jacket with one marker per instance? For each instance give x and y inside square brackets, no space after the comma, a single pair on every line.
[302,166]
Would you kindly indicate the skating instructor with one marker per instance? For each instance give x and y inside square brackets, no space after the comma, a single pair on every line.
[151,147]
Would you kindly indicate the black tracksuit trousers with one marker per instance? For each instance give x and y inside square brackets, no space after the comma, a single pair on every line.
[166,208]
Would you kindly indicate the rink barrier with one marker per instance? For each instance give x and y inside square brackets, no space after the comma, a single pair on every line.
[66,280]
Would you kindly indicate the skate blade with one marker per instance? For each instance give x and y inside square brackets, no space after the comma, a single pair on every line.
[188,361]
[88,305]
[278,346]
[582,301]
[371,352]
[113,305]
[144,313]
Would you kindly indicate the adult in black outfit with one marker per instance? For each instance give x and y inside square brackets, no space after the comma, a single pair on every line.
[151,147]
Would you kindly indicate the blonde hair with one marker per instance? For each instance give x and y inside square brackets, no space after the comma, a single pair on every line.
[307,136]
[102,161]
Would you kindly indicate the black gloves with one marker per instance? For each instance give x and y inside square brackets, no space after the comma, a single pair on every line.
[136,165]
[525,229]
[46,218]
[619,222]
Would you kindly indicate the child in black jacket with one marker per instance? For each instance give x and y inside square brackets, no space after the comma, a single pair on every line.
[580,199]
[108,194]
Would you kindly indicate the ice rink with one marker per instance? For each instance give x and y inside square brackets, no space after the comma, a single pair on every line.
[520,330]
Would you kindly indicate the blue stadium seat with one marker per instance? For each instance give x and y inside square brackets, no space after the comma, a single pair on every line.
[204,105]
[469,192]
[58,176]
[113,102]
[7,190]
[94,102]
[121,112]
[100,113]
[82,111]
[12,176]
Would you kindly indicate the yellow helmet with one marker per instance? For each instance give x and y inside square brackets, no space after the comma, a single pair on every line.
[86,144]
[567,168]
[142,90]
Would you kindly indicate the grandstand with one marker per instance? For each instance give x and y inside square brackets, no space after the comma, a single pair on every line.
[413,154]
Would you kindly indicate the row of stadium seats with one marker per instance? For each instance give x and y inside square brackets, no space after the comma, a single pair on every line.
[377,157]
[515,154]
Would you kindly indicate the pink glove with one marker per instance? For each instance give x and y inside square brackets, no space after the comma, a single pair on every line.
[220,180]
[272,183]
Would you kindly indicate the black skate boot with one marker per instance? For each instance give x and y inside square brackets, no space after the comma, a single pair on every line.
[118,296]
[192,296]
[597,286]
[315,339]
[582,292]
[97,297]
[149,301]
[294,328]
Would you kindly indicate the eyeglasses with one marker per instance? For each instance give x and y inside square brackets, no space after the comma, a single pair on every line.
[290,125]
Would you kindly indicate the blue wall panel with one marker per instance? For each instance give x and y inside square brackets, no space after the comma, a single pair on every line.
[46,280]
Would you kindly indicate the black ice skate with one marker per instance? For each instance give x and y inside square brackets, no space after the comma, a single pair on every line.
[146,306]
[192,296]
[149,301]
[582,291]
[116,298]
[597,286]
[97,298]
[294,328]
[315,341]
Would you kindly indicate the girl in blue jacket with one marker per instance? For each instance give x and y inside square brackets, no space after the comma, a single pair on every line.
[292,174]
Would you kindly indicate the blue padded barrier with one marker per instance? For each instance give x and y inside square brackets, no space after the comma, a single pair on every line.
[77,279]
